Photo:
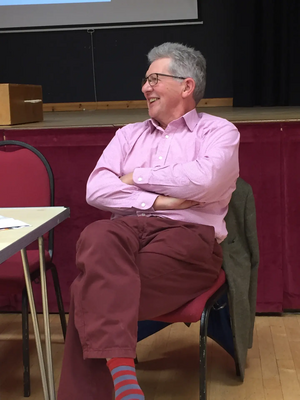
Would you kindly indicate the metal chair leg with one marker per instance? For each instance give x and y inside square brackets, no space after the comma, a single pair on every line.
[203,353]
[60,304]
[25,344]
[203,338]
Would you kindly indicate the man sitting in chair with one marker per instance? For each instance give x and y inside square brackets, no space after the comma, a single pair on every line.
[167,182]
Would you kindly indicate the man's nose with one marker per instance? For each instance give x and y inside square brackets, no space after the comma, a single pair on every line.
[146,87]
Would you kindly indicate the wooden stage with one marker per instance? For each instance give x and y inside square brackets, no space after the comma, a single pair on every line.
[100,118]
[72,142]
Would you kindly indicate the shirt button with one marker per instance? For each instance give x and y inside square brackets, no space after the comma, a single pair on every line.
[160,157]
[143,204]
[140,179]
[167,136]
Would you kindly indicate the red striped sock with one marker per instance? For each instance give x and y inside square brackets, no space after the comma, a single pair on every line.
[124,376]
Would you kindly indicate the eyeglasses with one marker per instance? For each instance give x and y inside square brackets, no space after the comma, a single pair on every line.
[153,78]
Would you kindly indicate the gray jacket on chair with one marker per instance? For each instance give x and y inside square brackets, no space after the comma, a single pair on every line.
[240,262]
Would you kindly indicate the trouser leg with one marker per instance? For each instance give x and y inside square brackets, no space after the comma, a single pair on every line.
[82,379]
[107,290]
[96,310]
[176,266]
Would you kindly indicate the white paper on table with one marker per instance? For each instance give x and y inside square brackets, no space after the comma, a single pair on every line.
[11,223]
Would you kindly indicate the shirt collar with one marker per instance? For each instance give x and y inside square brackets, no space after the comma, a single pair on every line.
[190,119]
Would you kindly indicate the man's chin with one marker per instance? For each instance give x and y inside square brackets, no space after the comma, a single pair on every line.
[151,113]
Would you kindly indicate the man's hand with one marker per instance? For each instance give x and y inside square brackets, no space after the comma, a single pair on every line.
[128,179]
[172,203]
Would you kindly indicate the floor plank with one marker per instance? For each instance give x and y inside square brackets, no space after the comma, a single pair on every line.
[168,362]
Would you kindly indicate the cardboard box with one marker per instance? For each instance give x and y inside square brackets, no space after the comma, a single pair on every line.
[20,104]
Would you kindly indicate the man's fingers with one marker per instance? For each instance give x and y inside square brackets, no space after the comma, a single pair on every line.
[188,204]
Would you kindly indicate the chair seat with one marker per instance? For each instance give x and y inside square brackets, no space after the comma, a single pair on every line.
[12,278]
[192,311]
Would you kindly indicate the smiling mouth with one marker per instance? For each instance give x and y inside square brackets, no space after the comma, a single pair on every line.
[153,100]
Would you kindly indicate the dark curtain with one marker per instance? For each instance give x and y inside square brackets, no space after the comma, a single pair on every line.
[266,53]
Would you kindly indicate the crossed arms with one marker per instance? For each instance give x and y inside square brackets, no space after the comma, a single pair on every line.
[206,179]
[163,202]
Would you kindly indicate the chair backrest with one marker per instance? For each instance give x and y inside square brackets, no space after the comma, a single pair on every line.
[26,178]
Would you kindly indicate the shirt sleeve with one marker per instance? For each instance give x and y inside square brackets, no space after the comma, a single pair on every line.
[106,191]
[205,179]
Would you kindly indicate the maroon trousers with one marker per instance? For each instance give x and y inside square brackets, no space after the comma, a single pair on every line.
[131,268]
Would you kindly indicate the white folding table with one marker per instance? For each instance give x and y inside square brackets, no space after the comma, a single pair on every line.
[41,220]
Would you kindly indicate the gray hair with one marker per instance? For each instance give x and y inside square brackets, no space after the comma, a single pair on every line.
[185,61]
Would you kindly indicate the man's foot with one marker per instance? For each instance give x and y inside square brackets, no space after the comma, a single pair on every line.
[125,381]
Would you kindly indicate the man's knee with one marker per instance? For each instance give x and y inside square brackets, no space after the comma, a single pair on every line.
[94,232]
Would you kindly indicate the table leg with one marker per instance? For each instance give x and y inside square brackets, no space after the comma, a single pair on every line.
[35,323]
[46,319]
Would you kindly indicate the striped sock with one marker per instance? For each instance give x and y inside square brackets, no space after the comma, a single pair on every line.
[124,377]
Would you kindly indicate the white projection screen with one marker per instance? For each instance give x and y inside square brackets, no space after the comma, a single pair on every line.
[76,14]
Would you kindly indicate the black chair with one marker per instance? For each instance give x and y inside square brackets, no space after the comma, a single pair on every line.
[196,310]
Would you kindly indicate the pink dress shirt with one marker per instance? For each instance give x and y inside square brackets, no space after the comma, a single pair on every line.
[195,158]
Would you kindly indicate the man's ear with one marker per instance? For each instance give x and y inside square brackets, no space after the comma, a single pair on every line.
[188,87]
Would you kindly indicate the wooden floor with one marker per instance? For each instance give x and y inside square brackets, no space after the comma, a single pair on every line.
[167,368]
[94,118]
